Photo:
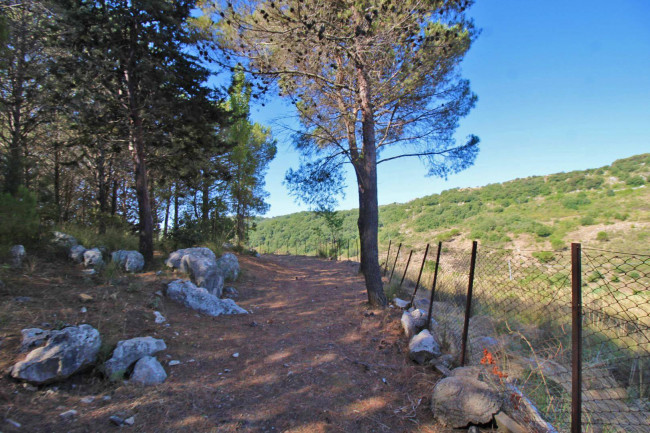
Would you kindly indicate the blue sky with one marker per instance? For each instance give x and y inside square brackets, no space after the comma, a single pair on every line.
[562,85]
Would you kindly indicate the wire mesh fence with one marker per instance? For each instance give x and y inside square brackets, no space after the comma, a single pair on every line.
[564,337]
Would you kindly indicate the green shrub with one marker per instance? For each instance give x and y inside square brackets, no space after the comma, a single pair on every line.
[19,218]
[576,201]
[544,231]
[635,181]
[544,256]
[587,220]
[115,238]
[594,276]
[558,244]
[602,236]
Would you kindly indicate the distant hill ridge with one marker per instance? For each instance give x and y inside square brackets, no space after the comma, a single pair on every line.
[605,207]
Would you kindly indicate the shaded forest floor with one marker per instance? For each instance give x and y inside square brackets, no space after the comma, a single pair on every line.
[312,356]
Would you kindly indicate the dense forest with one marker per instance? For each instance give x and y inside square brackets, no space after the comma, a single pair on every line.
[108,125]
[543,212]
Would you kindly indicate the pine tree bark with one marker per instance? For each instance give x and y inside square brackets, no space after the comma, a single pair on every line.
[368,222]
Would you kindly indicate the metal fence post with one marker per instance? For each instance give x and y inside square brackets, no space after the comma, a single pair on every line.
[433,286]
[406,269]
[417,284]
[390,241]
[468,304]
[399,247]
[576,338]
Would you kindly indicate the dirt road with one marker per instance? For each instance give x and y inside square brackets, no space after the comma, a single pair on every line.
[311,357]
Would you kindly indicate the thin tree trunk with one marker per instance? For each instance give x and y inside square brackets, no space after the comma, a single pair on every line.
[366,170]
[57,181]
[138,151]
[176,200]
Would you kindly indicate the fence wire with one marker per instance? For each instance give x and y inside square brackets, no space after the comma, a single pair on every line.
[519,333]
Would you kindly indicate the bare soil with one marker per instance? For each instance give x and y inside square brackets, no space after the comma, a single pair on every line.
[313,357]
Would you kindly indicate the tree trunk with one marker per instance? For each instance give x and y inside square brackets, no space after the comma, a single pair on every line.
[176,200]
[57,181]
[366,170]
[167,206]
[138,151]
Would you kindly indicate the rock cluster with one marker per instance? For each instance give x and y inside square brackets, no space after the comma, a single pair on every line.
[71,350]
[204,269]
[461,399]
[127,352]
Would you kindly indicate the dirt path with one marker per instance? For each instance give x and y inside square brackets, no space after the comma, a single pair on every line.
[312,358]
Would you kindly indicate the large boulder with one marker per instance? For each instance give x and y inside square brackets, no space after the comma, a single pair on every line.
[66,352]
[228,266]
[16,256]
[63,240]
[148,371]
[130,261]
[76,253]
[93,258]
[129,351]
[174,259]
[201,265]
[423,347]
[199,299]
[458,401]
[204,273]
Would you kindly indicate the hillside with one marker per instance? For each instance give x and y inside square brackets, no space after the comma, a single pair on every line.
[606,207]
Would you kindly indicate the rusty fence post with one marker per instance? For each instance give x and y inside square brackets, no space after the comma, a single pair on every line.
[417,284]
[390,241]
[468,304]
[399,247]
[406,269]
[576,338]
[433,286]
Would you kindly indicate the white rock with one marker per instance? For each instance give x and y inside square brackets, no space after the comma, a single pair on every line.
[235,355]
[129,421]
[13,423]
[148,371]
[174,362]
[129,351]
[130,261]
[69,414]
[401,303]
[93,258]
[66,352]
[33,337]
[159,317]
[228,265]
[83,310]
[16,255]
[458,401]
[76,253]
[199,299]
[423,347]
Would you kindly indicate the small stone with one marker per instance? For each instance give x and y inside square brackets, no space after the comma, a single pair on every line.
[88,400]
[83,297]
[226,370]
[285,365]
[116,420]
[89,272]
[22,299]
[159,318]
[29,387]
[83,310]
[159,293]
[106,398]
[69,414]
[235,355]
[13,423]
[401,303]
[129,421]
[174,362]
[158,273]
[473,429]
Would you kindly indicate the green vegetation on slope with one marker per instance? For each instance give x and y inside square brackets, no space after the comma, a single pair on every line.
[539,212]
